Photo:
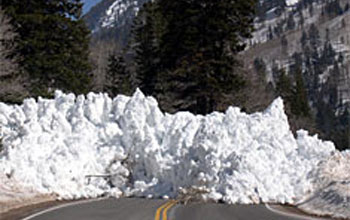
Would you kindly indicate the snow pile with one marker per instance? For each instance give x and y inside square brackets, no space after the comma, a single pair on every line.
[13,195]
[334,169]
[79,147]
[333,195]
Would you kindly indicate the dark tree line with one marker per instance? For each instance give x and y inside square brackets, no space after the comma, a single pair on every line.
[186,58]
[53,43]
[11,84]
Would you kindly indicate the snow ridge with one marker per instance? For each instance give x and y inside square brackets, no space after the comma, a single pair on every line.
[83,147]
[118,10]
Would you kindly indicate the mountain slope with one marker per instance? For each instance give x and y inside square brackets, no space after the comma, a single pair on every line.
[112,14]
[313,37]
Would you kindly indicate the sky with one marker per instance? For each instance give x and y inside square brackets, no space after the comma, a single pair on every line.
[89,4]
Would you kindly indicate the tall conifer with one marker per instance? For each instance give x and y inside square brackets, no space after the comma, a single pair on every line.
[200,50]
[117,76]
[53,41]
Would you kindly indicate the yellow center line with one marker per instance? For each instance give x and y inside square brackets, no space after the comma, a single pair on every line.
[167,208]
[159,210]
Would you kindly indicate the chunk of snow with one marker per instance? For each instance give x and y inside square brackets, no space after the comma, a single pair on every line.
[80,147]
[332,181]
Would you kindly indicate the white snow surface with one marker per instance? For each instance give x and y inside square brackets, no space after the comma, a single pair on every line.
[117,10]
[291,2]
[83,147]
[333,196]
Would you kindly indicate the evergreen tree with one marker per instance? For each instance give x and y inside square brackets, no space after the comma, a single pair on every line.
[327,35]
[199,49]
[147,30]
[333,8]
[290,21]
[325,117]
[117,76]
[284,87]
[332,85]
[346,7]
[284,45]
[311,10]
[343,24]
[300,105]
[7,40]
[303,40]
[314,37]
[11,85]
[260,68]
[297,62]
[270,33]
[302,19]
[53,41]
[328,54]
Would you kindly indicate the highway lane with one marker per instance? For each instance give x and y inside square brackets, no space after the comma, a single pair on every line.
[143,209]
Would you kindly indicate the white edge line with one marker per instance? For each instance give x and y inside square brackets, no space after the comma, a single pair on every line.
[61,206]
[292,214]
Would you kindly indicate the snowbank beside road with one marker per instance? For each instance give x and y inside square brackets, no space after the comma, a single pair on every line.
[333,195]
[13,196]
[83,147]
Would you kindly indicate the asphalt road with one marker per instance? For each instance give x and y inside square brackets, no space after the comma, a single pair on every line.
[142,209]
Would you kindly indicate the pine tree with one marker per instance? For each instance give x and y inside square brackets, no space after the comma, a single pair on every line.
[11,85]
[147,30]
[284,45]
[302,19]
[328,54]
[199,49]
[7,39]
[333,8]
[290,21]
[311,10]
[303,40]
[260,68]
[314,37]
[284,86]
[117,76]
[53,41]
[300,105]
[270,33]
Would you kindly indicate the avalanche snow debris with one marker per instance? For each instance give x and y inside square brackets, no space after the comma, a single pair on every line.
[82,147]
[333,182]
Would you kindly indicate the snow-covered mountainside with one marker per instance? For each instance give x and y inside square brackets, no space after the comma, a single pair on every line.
[113,14]
[311,37]
[80,147]
[118,13]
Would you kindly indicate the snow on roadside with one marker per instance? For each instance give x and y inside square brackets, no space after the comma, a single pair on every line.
[83,147]
[332,196]
[13,195]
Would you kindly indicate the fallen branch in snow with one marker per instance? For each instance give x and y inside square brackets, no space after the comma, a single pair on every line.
[99,176]
[193,193]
